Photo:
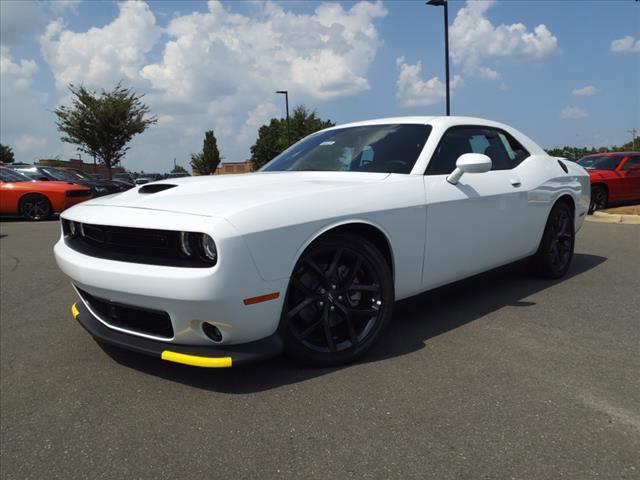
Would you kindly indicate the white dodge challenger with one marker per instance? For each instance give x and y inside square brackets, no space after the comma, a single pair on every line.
[309,254]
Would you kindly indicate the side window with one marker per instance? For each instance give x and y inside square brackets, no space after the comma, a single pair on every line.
[630,163]
[504,151]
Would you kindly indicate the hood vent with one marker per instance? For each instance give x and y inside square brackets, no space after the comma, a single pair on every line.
[155,187]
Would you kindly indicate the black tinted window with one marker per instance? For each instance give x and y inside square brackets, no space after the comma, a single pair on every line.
[504,151]
[631,162]
[372,148]
[600,162]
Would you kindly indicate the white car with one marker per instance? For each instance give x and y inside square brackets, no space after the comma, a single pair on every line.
[310,253]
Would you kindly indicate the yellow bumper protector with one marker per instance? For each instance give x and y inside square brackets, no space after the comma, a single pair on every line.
[196,361]
[74,311]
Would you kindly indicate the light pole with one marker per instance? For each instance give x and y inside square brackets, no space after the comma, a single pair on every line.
[444,3]
[286,99]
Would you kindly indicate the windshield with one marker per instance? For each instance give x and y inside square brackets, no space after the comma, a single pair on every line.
[59,174]
[600,162]
[78,174]
[372,148]
[8,175]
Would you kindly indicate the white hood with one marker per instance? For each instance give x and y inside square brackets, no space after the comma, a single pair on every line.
[225,195]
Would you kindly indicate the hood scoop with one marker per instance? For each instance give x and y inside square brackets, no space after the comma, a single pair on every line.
[155,187]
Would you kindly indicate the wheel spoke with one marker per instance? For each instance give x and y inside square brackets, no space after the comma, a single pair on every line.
[363,311]
[334,263]
[352,273]
[316,269]
[311,328]
[327,329]
[298,308]
[303,288]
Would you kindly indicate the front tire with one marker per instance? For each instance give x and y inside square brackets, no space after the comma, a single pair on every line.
[554,255]
[35,207]
[599,198]
[339,300]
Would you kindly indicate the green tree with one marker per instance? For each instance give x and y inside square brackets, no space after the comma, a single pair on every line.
[179,169]
[102,125]
[6,154]
[272,138]
[206,162]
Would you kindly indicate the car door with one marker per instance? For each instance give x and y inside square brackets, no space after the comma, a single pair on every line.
[629,172]
[480,222]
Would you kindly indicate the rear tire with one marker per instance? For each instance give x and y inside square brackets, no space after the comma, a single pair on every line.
[339,300]
[599,198]
[35,207]
[553,258]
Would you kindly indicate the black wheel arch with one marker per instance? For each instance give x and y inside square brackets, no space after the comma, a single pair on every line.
[366,231]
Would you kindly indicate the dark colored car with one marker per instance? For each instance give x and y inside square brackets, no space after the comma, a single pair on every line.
[98,188]
[177,175]
[149,177]
[615,177]
[123,177]
[122,186]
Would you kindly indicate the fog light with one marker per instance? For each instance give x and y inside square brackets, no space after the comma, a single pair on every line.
[212,332]
[185,243]
[209,248]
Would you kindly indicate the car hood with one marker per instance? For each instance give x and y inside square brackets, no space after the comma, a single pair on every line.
[599,173]
[225,195]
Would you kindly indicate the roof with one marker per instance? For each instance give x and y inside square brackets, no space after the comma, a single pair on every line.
[611,154]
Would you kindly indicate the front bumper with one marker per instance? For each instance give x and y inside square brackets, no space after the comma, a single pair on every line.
[215,356]
[191,297]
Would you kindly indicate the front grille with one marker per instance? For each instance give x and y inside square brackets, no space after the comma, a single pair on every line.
[134,245]
[135,319]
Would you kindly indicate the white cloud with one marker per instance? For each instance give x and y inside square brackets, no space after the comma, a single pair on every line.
[475,40]
[24,121]
[627,44]
[573,113]
[587,91]
[412,91]
[324,55]
[100,57]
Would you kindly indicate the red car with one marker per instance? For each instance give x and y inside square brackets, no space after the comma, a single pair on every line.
[615,177]
[37,200]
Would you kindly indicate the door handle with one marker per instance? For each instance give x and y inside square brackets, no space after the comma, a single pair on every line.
[515,182]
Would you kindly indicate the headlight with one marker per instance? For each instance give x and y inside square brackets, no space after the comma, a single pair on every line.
[185,243]
[209,248]
[72,228]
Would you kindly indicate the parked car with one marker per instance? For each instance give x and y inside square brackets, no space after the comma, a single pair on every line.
[310,253]
[124,177]
[149,177]
[98,188]
[614,177]
[37,200]
[177,175]
[80,175]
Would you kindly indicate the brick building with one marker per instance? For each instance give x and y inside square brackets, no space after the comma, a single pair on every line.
[79,164]
[234,167]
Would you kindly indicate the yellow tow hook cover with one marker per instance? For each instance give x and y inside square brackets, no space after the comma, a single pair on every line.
[196,361]
[74,311]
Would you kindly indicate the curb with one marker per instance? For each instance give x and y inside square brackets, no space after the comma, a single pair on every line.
[602,217]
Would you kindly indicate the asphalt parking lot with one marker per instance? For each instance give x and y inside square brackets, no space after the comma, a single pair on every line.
[500,376]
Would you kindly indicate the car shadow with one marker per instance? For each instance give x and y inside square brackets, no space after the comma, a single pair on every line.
[415,321]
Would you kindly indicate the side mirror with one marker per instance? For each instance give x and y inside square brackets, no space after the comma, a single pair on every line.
[469,163]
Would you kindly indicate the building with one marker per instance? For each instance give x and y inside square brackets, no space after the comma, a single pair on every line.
[79,164]
[234,167]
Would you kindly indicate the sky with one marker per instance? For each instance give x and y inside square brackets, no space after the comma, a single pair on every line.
[563,72]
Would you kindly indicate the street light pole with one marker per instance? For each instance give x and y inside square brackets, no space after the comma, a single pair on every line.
[286,99]
[445,4]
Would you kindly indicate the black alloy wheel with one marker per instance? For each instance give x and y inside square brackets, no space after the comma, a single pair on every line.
[340,297]
[35,207]
[599,198]
[555,252]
